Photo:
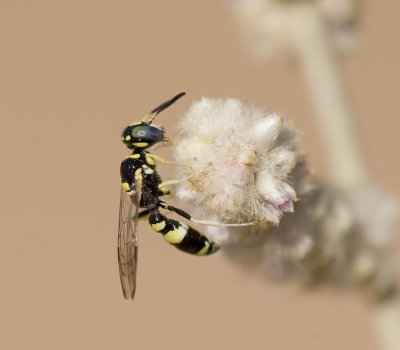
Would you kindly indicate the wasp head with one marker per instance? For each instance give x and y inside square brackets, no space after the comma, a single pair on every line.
[141,135]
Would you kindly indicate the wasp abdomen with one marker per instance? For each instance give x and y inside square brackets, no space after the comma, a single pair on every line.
[180,235]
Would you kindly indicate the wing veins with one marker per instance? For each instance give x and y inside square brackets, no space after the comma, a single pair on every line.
[127,240]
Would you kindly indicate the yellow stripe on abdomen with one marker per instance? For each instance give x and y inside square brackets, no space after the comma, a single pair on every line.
[158,226]
[177,235]
[205,249]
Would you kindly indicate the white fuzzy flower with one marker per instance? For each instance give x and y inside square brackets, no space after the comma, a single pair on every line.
[241,165]
[239,161]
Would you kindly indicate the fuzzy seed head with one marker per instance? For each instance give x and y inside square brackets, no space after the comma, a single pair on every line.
[240,164]
[238,160]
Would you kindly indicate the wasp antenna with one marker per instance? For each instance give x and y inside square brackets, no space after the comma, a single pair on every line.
[167,103]
[150,117]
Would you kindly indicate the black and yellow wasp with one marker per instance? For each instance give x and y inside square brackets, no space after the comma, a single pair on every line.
[142,187]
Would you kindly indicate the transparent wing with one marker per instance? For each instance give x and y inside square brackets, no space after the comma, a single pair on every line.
[127,239]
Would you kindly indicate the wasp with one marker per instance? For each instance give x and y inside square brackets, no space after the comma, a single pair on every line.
[141,190]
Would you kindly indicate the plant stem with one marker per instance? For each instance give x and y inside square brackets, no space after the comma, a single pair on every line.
[386,319]
[348,168]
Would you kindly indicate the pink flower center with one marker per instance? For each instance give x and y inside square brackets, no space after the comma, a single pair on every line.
[283,206]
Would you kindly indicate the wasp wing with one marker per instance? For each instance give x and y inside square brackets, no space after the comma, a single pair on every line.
[127,239]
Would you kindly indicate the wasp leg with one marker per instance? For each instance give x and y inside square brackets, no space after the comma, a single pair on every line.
[144,214]
[164,189]
[151,159]
[216,223]
[186,215]
[180,235]
[180,212]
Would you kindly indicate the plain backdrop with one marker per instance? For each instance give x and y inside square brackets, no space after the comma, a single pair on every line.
[72,75]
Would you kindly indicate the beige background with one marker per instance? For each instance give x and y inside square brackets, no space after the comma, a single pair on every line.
[72,75]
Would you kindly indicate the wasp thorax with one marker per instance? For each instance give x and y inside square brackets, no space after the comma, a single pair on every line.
[141,135]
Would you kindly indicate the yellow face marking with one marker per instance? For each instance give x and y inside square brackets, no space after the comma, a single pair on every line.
[122,138]
[159,226]
[176,236]
[140,144]
[204,250]
[127,138]
[135,123]
[131,193]
[133,156]
[150,160]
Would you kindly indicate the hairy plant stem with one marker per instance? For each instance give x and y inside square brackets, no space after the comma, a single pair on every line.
[347,164]
[348,168]
[386,318]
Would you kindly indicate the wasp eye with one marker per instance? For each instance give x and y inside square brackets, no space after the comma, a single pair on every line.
[147,133]
[141,135]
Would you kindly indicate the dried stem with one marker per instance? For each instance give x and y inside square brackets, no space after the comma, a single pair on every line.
[386,319]
[347,164]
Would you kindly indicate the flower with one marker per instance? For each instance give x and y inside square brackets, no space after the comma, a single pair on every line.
[240,162]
